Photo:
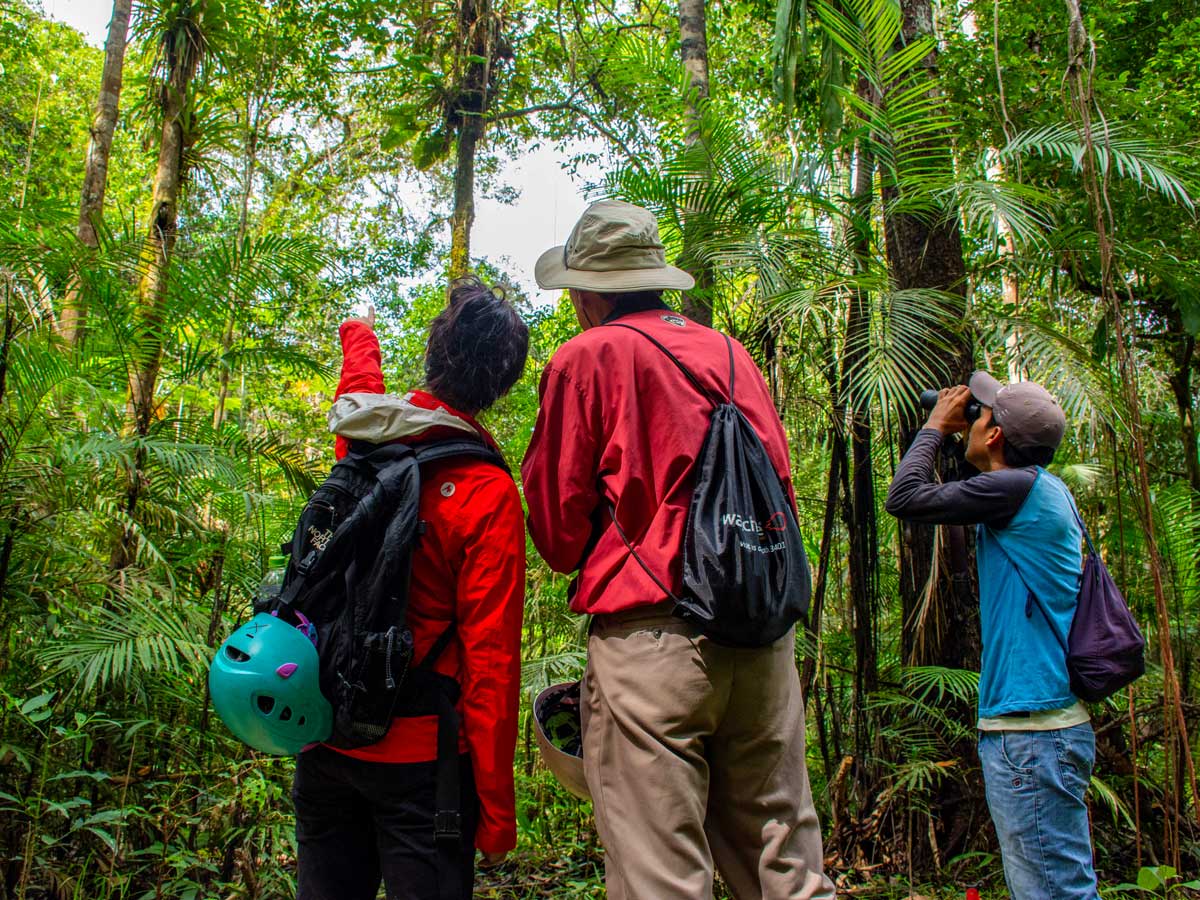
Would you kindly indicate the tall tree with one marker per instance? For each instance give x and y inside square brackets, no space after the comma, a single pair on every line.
[182,45]
[860,518]
[925,254]
[693,50]
[95,172]
[477,34]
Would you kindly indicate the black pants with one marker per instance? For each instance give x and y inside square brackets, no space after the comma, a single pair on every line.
[359,822]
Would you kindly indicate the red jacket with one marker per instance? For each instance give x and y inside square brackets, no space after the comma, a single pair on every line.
[619,423]
[469,569]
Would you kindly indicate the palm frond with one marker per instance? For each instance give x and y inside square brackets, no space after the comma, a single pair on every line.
[997,208]
[1139,160]
[133,637]
[1064,366]
[1109,798]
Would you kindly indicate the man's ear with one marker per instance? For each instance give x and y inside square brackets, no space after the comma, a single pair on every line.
[995,437]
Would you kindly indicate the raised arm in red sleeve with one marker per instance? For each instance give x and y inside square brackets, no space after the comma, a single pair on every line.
[362,368]
[491,599]
[560,469]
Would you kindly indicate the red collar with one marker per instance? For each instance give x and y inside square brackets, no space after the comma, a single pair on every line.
[426,400]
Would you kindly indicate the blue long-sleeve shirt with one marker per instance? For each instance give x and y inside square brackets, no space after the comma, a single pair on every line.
[989,498]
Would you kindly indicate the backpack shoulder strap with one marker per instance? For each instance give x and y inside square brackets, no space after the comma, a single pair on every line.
[439,646]
[1033,598]
[437,450]
[387,463]
[612,511]
[701,389]
[1086,535]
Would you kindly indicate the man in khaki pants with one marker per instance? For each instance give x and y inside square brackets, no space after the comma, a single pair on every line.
[693,752]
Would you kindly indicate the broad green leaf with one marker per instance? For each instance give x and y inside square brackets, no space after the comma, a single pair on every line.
[37,702]
[1148,879]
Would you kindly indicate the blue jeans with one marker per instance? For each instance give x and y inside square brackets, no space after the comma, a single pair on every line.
[1035,784]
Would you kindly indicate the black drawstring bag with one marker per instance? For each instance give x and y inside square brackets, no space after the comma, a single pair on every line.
[746,579]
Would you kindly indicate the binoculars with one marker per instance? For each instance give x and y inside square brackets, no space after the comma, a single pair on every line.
[929,400]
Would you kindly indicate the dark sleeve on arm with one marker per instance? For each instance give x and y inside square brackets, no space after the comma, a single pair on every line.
[990,498]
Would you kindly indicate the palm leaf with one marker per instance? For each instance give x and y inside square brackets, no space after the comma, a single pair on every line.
[134,637]
[1139,160]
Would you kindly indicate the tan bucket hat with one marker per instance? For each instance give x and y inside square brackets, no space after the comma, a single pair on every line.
[556,712]
[613,248]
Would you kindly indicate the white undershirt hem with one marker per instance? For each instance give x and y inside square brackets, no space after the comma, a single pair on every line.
[1050,720]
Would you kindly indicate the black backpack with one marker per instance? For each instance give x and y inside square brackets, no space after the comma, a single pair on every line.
[746,579]
[348,574]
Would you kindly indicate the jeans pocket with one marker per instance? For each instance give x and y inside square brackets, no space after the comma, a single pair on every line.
[1076,753]
[1018,751]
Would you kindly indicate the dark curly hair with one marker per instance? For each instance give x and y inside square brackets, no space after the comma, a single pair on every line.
[477,347]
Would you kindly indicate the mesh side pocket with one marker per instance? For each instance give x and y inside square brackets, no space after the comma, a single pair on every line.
[368,697]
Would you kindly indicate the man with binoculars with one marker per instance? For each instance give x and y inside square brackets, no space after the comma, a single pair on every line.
[1035,737]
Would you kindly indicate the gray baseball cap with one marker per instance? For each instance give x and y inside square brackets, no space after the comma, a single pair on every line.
[1026,412]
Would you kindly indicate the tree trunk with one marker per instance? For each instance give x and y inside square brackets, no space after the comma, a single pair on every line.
[476,29]
[182,53]
[1184,355]
[156,254]
[693,49]
[95,173]
[938,585]
[864,550]
[248,168]
[924,250]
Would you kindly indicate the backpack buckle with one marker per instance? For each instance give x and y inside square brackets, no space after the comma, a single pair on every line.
[447,825]
[305,565]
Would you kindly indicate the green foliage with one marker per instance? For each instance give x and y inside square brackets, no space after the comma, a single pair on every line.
[1141,161]
[309,124]
[1158,881]
[47,88]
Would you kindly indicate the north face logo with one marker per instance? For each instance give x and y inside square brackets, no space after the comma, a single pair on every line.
[319,538]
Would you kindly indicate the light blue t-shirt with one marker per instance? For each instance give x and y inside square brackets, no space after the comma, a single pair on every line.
[1024,665]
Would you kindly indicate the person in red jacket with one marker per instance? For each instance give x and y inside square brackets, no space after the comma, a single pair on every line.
[693,752]
[367,814]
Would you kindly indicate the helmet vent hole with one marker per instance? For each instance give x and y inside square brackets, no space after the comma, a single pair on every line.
[265,704]
[235,654]
[286,714]
[300,723]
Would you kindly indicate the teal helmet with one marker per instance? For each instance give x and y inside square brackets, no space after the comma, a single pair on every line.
[265,687]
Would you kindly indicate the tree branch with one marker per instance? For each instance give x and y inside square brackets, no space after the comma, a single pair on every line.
[571,106]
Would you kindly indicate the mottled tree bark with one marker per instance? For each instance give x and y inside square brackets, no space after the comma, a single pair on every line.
[924,250]
[693,50]
[95,173]
[476,30]
[181,49]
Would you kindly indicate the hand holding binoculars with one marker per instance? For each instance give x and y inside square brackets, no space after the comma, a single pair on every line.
[971,411]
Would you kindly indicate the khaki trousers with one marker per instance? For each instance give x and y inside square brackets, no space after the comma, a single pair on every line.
[694,753]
